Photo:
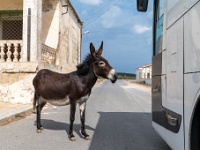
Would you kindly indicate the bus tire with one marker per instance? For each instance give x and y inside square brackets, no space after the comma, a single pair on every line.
[195,131]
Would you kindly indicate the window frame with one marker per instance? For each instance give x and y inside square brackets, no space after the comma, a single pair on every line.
[157,21]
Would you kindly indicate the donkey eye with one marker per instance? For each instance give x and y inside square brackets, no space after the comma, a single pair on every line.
[101,63]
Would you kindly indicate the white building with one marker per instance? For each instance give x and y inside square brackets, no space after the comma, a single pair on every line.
[143,73]
[36,34]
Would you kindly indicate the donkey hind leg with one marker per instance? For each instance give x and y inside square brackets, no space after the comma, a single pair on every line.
[82,107]
[40,105]
[72,118]
[35,99]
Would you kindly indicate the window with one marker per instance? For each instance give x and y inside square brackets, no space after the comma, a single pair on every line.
[148,75]
[140,75]
[11,25]
[158,26]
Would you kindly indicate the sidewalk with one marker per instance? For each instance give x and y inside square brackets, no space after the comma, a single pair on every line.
[9,111]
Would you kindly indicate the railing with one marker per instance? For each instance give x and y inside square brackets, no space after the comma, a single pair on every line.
[48,54]
[10,50]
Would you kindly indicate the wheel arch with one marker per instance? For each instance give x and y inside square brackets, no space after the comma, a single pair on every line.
[195,126]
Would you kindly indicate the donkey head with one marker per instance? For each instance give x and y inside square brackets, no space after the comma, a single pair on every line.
[101,66]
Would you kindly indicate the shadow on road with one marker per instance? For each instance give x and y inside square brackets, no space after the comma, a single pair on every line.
[54,125]
[126,131]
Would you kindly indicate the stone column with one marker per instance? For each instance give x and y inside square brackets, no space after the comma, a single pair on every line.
[34,8]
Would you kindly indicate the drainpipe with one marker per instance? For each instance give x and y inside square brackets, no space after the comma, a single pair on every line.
[81,43]
[29,35]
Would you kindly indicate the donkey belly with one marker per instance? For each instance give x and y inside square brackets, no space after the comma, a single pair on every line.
[58,102]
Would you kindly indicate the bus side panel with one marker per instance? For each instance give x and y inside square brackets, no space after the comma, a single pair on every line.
[174,77]
[192,39]
[175,67]
[191,66]
[190,3]
[176,8]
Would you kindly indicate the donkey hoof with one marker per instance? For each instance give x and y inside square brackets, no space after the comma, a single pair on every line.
[72,139]
[87,137]
[34,111]
[39,130]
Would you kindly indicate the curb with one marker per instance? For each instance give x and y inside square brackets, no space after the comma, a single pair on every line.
[17,113]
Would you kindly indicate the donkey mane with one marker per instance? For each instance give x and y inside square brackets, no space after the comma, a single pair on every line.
[84,67]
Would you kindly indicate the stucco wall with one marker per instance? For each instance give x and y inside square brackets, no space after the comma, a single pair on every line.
[21,91]
[11,5]
[62,32]
[141,75]
[69,40]
[50,23]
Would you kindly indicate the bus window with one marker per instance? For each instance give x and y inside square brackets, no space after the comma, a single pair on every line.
[158,27]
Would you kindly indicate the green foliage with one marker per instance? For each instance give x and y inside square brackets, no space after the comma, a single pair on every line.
[11,12]
[123,75]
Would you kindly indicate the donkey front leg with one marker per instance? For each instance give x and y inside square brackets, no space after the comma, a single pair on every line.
[82,107]
[72,118]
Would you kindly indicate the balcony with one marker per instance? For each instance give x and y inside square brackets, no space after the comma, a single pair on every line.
[10,50]
[48,55]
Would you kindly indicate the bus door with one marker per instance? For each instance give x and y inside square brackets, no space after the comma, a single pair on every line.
[167,73]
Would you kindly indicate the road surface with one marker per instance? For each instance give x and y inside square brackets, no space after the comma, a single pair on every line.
[118,117]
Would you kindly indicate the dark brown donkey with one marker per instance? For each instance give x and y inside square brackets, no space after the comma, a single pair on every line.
[72,88]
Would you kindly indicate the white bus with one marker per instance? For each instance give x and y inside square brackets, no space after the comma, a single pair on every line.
[176,71]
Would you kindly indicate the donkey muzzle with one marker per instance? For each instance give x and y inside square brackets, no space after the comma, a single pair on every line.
[112,76]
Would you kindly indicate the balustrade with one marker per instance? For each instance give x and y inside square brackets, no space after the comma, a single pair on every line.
[10,50]
[48,54]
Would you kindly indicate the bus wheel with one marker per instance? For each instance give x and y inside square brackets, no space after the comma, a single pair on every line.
[195,131]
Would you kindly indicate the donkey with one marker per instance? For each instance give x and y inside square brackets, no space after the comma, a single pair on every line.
[72,88]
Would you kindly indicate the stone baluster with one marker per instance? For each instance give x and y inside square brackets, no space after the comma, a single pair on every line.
[47,57]
[2,53]
[48,54]
[9,53]
[20,52]
[15,52]
[50,57]
[53,57]
[44,56]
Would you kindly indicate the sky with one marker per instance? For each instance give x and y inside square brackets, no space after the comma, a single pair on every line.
[126,33]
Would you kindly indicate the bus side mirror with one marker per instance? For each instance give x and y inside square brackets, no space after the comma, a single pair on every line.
[142,5]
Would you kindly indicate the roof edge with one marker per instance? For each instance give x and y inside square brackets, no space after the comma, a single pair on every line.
[75,12]
[145,66]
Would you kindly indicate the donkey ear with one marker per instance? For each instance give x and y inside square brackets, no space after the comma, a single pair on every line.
[99,52]
[92,50]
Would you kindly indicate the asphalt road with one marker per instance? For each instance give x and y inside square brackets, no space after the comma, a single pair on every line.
[118,117]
